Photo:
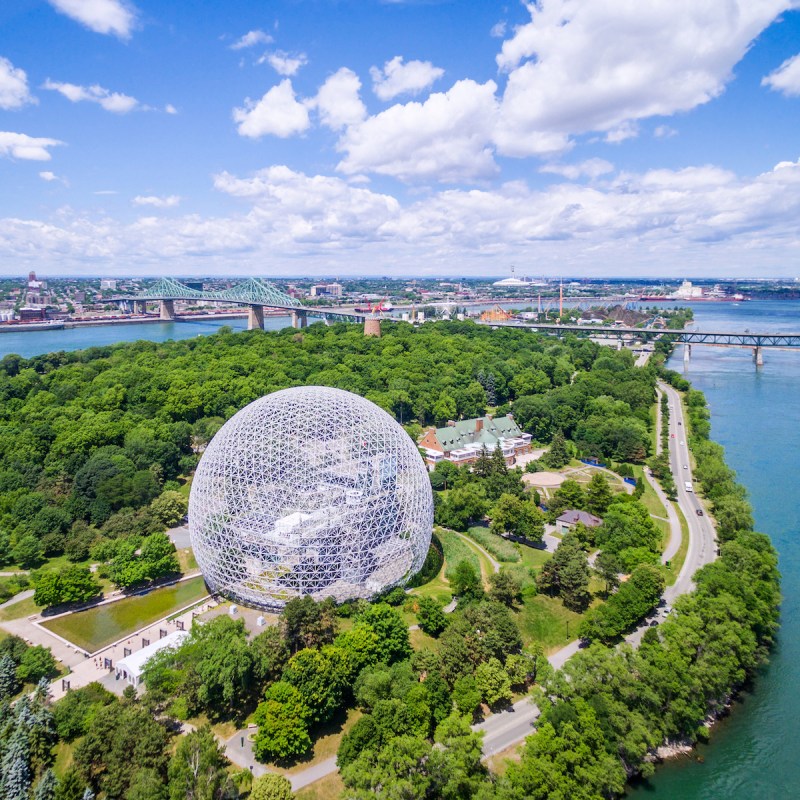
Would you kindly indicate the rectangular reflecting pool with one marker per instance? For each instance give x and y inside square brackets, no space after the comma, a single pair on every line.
[100,626]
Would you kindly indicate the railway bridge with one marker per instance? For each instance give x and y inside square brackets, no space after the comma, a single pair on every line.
[689,338]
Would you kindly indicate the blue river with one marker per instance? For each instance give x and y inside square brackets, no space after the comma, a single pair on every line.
[754,753]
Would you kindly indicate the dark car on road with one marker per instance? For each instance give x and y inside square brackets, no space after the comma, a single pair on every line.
[699,512]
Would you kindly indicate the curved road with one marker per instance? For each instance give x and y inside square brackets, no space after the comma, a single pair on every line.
[508,728]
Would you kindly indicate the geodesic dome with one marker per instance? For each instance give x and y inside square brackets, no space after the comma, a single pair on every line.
[309,491]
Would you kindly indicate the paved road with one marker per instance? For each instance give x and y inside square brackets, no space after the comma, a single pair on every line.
[18,597]
[702,537]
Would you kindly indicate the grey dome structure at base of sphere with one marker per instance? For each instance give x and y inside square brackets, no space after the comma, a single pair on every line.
[309,491]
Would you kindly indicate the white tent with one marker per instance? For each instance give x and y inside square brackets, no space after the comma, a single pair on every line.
[131,667]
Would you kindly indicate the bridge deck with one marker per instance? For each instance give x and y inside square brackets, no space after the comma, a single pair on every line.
[745,339]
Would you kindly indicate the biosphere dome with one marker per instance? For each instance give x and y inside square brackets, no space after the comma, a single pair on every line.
[309,491]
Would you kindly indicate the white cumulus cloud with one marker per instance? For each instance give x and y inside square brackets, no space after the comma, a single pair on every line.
[31,148]
[278,113]
[397,78]
[284,63]
[250,39]
[591,168]
[101,16]
[13,86]
[445,138]
[115,102]
[338,100]
[169,201]
[702,220]
[786,78]
[583,66]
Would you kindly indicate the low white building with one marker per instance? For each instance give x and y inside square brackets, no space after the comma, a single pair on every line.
[132,667]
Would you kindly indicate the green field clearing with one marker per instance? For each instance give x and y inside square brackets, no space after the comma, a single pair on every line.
[100,626]
[19,610]
[544,619]
[455,550]
[676,564]
[500,548]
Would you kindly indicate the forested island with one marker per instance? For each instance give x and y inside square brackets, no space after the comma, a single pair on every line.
[97,449]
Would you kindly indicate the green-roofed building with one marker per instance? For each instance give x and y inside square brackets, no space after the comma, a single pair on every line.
[463,440]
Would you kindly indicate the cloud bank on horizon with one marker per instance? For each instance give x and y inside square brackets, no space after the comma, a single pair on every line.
[319,138]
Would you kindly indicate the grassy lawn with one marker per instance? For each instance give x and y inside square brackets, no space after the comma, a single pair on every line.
[456,550]
[486,566]
[677,562]
[498,763]
[438,589]
[328,788]
[500,548]
[544,619]
[19,610]
[64,751]
[187,560]
[102,625]
[421,641]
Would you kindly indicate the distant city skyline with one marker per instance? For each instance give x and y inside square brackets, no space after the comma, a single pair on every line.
[400,138]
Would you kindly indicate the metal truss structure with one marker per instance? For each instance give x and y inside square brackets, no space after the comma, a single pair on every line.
[310,491]
[250,292]
[711,338]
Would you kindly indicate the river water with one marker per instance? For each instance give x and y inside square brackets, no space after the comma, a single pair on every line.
[755,414]
[34,343]
[754,754]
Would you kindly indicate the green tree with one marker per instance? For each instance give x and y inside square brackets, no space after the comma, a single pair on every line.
[567,574]
[512,514]
[558,455]
[466,695]
[598,495]
[505,588]
[432,620]
[566,759]
[47,588]
[608,568]
[271,787]
[169,508]
[121,740]
[392,632]
[466,582]
[46,787]
[270,652]
[306,623]
[9,684]
[493,682]
[197,770]
[314,674]
[36,663]
[28,552]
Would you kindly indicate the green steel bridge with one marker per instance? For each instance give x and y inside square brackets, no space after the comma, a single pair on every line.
[253,293]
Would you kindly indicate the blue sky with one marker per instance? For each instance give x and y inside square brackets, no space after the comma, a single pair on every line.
[428,137]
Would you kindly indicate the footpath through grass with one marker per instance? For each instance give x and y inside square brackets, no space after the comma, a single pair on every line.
[500,548]
[100,626]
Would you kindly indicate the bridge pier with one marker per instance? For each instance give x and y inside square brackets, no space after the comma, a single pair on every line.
[139,307]
[299,319]
[758,356]
[687,354]
[167,310]
[255,318]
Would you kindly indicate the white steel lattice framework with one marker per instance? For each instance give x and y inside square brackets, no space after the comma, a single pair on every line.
[310,491]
